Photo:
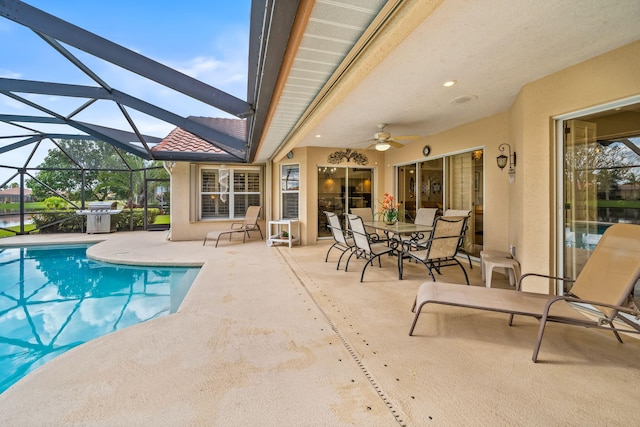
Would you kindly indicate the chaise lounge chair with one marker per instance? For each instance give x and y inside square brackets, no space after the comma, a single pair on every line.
[606,283]
[250,223]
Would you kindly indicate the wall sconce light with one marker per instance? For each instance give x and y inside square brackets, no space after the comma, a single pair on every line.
[502,161]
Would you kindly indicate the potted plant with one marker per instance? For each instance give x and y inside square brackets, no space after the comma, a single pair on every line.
[388,210]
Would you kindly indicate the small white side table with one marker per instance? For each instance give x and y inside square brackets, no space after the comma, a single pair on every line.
[495,259]
[291,236]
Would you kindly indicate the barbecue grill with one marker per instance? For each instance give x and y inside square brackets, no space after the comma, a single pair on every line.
[99,216]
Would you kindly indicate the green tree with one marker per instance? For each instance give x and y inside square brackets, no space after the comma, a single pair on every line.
[11,185]
[125,185]
[633,180]
[63,167]
[612,168]
[106,172]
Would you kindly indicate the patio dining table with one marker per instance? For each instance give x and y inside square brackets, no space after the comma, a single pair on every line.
[415,232]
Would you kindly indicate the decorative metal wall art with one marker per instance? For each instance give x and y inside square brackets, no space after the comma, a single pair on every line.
[349,155]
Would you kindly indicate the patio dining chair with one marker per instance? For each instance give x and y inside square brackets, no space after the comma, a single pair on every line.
[367,216]
[365,248]
[461,212]
[342,241]
[439,250]
[424,216]
[250,223]
[605,283]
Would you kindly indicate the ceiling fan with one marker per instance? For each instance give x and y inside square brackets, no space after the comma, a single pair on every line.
[383,140]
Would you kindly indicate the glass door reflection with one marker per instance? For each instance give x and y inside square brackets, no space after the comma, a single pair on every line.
[341,188]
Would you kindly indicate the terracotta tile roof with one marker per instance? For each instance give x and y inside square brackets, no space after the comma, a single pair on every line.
[183,141]
[15,191]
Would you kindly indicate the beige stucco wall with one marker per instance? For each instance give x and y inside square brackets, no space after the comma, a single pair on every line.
[182,228]
[523,214]
[520,214]
[310,159]
[606,78]
[300,157]
[487,134]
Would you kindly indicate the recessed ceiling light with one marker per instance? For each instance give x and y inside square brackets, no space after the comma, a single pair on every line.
[318,136]
[449,83]
[463,99]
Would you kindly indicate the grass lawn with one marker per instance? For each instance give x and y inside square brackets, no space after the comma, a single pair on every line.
[31,206]
[163,219]
[5,233]
[160,219]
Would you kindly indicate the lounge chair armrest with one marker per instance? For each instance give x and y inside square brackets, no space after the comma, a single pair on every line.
[236,225]
[630,310]
[519,285]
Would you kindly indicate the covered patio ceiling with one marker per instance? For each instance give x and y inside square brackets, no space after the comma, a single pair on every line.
[395,71]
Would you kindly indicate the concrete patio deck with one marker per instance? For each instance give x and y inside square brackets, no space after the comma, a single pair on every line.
[275,336]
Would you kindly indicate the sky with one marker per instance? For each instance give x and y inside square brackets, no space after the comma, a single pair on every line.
[205,39]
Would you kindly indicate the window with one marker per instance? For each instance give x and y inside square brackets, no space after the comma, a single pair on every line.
[220,201]
[290,190]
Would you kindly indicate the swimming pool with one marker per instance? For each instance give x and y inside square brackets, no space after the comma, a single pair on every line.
[53,298]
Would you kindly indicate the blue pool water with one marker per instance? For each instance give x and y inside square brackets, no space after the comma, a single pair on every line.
[53,298]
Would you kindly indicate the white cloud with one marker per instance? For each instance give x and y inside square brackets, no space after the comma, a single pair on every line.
[228,75]
[200,66]
[8,74]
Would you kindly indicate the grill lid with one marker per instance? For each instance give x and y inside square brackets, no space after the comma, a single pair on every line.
[94,206]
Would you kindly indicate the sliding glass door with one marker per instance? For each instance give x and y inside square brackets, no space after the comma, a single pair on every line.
[600,164]
[339,190]
[450,182]
[465,176]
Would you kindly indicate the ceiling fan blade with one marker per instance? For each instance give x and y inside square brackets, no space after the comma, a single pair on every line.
[394,143]
[401,137]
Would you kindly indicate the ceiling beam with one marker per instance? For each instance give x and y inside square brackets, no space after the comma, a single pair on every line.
[111,136]
[234,146]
